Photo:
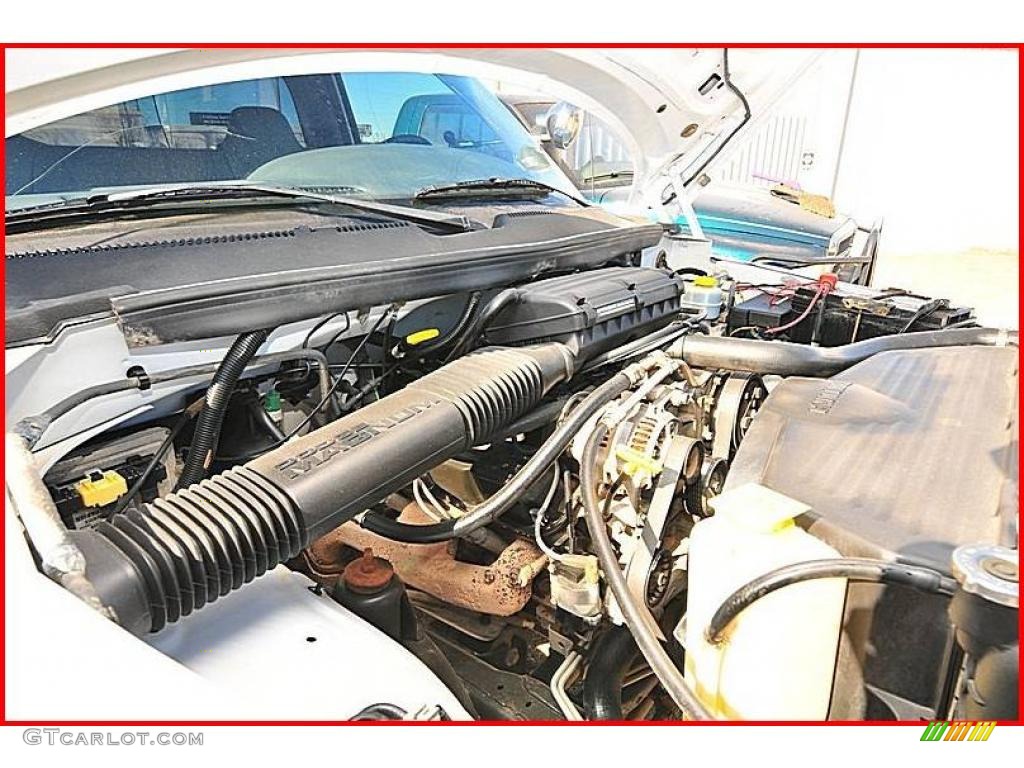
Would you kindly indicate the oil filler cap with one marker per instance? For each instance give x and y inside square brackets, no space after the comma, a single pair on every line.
[989,571]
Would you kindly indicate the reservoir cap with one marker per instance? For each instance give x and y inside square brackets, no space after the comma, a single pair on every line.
[988,571]
[705,281]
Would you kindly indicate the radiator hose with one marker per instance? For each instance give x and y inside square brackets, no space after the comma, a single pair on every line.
[187,549]
[613,654]
[789,359]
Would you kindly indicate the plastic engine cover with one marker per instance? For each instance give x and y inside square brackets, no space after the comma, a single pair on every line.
[908,454]
[591,312]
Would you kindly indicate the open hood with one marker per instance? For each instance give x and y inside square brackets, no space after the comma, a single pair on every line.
[677,109]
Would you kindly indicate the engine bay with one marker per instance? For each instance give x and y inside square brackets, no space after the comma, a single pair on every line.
[623,493]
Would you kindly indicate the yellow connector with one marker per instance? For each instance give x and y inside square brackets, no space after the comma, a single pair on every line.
[635,463]
[100,489]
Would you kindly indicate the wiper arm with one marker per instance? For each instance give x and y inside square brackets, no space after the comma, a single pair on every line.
[140,199]
[606,176]
[497,187]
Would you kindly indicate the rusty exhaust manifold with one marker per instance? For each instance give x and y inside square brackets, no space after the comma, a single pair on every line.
[493,589]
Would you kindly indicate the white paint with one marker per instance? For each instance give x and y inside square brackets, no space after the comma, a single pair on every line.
[932,145]
[242,657]
[257,639]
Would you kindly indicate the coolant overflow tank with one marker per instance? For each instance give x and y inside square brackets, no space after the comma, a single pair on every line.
[777,658]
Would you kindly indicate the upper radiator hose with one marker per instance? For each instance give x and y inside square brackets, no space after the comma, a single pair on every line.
[187,549]
[788,359]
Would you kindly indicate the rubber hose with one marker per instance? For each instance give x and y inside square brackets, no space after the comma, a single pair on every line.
[500,502]
[32,428]
[788,359]
[851,569]
[455,334]
[207,433]
[644,344]
[632,611]
[472,331]
[154,565]
[542,416]
[610,659]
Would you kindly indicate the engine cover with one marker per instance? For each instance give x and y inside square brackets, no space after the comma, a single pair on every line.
[906,455]
[590,312]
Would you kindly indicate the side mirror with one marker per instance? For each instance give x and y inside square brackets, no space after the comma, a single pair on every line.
[563,123]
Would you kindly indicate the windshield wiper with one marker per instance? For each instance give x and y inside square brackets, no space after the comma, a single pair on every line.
[606,176]
[493,187]
[24,219]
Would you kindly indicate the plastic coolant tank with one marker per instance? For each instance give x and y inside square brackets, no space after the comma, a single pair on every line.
[704,294]
[777,659]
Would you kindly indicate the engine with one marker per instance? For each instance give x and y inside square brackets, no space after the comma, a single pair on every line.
[616,494]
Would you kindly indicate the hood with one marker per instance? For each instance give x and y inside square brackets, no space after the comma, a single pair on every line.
[673,107]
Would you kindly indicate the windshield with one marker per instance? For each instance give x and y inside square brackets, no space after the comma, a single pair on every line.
[381,135]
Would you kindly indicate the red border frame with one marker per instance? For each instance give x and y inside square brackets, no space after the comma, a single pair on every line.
[456,46]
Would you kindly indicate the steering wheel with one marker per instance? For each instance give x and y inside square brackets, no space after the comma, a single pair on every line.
[407,138]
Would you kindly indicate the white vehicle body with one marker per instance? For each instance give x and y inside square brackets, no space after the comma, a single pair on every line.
[220,665]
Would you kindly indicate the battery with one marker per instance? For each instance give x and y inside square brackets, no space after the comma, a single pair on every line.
[849,316]
[762,311]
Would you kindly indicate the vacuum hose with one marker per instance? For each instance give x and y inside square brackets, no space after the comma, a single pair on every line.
[207,433]
[202,542]
[509,493]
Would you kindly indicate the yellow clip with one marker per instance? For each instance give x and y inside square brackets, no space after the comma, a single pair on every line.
[98,490]
[634,462]
[420,336]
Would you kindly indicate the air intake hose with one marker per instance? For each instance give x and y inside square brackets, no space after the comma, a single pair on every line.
[198,544]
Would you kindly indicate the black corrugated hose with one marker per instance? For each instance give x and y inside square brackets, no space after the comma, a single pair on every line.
[499,503]
[207,434]
[470,333]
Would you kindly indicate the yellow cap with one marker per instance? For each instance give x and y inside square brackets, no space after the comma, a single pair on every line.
[420,336]
[705,281]
[98,490]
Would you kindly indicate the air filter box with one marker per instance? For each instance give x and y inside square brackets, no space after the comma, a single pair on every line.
[591,312]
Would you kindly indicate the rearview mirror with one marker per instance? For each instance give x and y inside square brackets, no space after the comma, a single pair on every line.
[563,124]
